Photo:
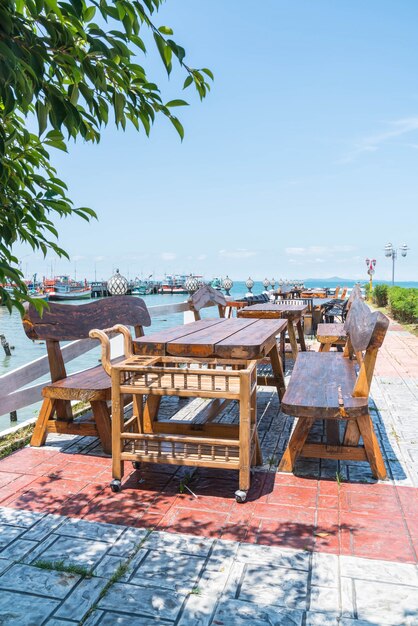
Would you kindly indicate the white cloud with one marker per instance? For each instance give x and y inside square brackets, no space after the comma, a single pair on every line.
[99,258]
[317,250]
[168,256]
[373,143]
[202,257]
[78,257]
[239,253]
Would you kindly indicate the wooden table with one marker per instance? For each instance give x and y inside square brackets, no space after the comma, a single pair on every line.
[291,312]
[210,358]
[234,338]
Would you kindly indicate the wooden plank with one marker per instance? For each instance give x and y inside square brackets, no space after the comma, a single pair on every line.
[340,453]
[156,343]
[84,429]
[251,342]
[313,390]
[365,329]
[295,445]
[63,322]
[204,342]
[193,429]
[21,399]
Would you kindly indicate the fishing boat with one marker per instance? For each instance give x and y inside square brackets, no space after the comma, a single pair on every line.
[174,284]
[216,283]
[66,288]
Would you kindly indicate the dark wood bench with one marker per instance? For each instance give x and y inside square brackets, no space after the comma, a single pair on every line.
[333,334]
[65,322]
[327,386]
[207,296]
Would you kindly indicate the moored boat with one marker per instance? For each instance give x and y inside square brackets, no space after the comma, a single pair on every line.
[65,288]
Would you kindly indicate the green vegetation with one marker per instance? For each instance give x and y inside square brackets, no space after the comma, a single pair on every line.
[14,441]
[69,67]
[61,566]
[401,303]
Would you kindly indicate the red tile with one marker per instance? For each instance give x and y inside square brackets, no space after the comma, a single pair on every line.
[14,487]
[287,534]
[205,502]
[194,522]
[282,478]
[290,514]
[7,477]
[409,501]
[327,532]
[235,532]
[286,495]
[381,503]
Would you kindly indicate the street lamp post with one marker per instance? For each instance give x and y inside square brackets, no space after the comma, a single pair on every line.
[371,263]
[391,251]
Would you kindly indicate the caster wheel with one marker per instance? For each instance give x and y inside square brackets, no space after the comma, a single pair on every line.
[116,486]
[240,496]
[136,465]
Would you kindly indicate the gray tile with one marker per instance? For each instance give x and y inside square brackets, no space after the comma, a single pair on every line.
[39,581]
[128,542]
[267,585]
[82,598]
[83,529]
[236,613]
[4,564]
[60,622]
[75,551]
[17,517]
[279,557]
[325,599]
[9,534]
[118,619]
[128,598]
[381,571]
[323,619]
[188,544]
[109,565]
[396,605]
[160,569]
[325,570]
[18,549]
[20,609]
[44,527]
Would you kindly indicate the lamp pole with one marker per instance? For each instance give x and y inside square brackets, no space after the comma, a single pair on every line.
[371,263]
[392,252]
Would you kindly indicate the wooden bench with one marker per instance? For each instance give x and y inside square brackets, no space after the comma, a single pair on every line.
[65,322]
[333,334]
[207,296]
[327,386]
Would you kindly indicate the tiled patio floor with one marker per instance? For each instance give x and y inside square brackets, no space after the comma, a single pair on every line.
[327,546]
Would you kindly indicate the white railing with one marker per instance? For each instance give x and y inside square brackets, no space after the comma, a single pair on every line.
[14,392]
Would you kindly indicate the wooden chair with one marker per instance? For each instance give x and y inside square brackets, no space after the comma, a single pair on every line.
[65,322]
[333,334]
[326,386]
[207,296]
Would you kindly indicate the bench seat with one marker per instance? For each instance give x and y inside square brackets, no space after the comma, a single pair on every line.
[331,334]
[89,385]
[313,390]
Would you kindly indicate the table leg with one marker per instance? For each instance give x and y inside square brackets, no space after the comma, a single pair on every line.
[244,435]
[292,339]
[150,412]
[301,336]
[117,427]
[277,368]
[333,432]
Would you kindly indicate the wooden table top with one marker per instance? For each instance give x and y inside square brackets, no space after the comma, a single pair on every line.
[270,310]
[233,338]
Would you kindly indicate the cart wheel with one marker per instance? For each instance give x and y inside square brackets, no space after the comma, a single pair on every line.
[136,465]
[240,496]
[116,486]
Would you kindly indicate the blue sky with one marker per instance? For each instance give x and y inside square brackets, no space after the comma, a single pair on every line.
[301,162]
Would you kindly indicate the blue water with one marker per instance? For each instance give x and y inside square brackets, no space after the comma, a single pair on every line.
[26,350]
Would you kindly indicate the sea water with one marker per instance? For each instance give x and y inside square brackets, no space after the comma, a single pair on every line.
[24,350]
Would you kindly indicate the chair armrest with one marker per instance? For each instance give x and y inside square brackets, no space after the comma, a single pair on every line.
[103,337]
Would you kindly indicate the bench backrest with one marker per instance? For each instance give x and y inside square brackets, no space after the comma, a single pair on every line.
[366,331]
[207,296]
[67,322]
[355,293]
